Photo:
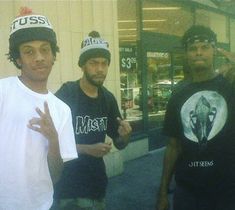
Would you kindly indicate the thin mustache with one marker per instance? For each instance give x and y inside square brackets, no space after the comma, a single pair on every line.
[40,66]
[99,75]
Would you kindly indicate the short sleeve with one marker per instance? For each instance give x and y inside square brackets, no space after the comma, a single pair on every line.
[113,114]
[1,97]
[62,93]
[67,143]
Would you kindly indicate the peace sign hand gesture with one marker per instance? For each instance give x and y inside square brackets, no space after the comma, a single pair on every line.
[44,124]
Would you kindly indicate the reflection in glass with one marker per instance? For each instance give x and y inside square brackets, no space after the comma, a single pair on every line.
[130,87]
[159,86]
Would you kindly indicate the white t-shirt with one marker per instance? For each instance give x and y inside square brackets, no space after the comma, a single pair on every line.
[25,182]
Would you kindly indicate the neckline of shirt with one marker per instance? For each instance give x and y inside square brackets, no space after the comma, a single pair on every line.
[31,92]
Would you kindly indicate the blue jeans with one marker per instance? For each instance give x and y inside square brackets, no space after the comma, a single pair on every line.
[184,199]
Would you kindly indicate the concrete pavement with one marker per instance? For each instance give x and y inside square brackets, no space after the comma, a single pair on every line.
[136,187]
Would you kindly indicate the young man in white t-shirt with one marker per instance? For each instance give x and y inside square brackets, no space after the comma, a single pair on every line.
[35,127]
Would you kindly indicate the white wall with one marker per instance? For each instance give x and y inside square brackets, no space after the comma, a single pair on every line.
[72,21]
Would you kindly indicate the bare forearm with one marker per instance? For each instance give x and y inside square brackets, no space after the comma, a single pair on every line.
[83,149]
[44,125]
[172,153]
[97,150]
[55,161]
[124,131]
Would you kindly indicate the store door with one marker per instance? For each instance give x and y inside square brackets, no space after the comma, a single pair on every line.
[163,69]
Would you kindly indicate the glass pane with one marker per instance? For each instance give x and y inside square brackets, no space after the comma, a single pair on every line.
[130,88]
[217,22]
[178,67]
[166,18]
[127,24]
[159,86]
[232,34]
[130,74]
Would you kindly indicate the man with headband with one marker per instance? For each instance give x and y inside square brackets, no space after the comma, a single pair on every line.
[199,122]
[35,126]
[95,114]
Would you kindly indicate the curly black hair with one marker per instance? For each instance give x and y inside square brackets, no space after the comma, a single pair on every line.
[14,53]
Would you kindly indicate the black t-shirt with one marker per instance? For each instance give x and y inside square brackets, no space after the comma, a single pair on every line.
[93,118]
[202,118]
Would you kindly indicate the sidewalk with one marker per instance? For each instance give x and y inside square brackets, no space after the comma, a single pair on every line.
[136,188]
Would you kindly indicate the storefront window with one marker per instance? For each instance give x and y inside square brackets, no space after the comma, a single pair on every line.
[217,22]
[180,69]
[166,18]
[165,70]
[169,19]
[127,24]
[130,82]
[159,86]
[130,74]
[165,63]
[232,34]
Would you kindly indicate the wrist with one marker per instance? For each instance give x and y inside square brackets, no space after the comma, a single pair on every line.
[121,143]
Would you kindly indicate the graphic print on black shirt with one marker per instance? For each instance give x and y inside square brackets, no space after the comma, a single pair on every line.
[203,116]
[85,124]
[93,119]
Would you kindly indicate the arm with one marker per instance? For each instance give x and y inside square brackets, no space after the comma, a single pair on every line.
[173,151]
[45,126]
[228,69]
[118,129]
[101,149]
[229,55]
[124,131]
[95,150]
[54,159]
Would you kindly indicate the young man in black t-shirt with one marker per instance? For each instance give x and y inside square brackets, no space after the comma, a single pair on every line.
[95,114]
[200,121]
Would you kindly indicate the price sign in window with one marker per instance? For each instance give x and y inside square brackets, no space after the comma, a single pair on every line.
[127,58]
[130,87]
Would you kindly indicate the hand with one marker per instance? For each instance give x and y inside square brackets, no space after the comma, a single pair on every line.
[99,149]
[229,55]
[44,124]
[124,129]
[228,69]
